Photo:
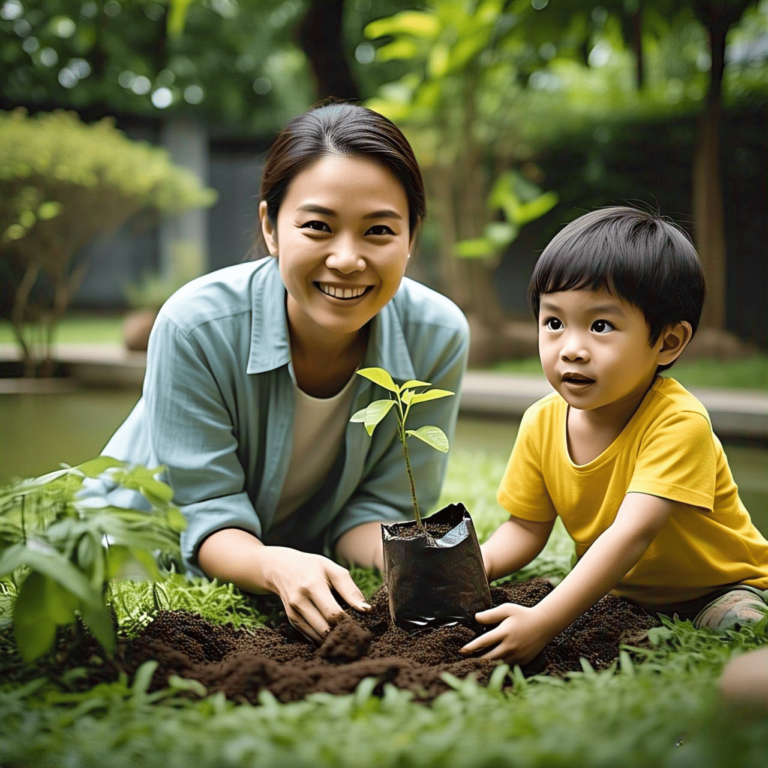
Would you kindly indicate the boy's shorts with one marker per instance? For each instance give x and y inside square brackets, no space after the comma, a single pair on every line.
[723,609]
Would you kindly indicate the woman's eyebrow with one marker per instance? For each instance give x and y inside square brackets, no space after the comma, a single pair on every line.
[313,208]
[385,214]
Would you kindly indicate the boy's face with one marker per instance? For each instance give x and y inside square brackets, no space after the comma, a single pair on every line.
[595,350]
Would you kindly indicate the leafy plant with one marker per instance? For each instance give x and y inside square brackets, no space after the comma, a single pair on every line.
[62,184]
[60,548]
[402,399]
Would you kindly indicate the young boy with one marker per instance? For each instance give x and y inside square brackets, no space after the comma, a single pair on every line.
[627,459]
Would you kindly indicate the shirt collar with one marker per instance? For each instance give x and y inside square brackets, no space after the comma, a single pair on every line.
[271,345]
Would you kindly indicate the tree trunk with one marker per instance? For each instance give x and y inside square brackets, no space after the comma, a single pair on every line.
[718,17]
[707,190]
[319,35]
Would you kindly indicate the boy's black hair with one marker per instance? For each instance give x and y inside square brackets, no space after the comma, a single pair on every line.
[641,257]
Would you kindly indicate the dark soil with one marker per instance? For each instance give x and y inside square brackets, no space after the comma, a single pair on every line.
[434,530]
[241,664]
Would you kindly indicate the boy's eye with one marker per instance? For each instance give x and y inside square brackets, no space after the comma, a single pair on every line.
[553,324]
[379,229]
[602,326]
[317,226]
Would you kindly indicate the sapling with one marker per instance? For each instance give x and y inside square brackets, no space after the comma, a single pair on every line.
[402,399]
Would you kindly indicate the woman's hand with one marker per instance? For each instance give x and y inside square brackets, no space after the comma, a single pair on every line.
[521,635]
[304,582]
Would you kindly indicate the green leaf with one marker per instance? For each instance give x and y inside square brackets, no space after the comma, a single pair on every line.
[466,49]
[146,561]
[375,412]
[535,209]
[501,233]
[433,436]
[48,561]
[379,376]
[475,248]
[86,553]
[177,16]
[143,678]
[175,519]
[99,621]
[95,467]
[413,23]
[433,394]
[397,49]
[414,383]
[116,558]
[439,59]
[33,625]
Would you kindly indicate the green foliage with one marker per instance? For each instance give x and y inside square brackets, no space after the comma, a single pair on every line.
[455,103]
[657,706]
[404,395]
[60,548]
[62,184]
[235,63]
[521,202]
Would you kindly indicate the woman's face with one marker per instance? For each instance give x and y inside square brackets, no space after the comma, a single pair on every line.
[343,241]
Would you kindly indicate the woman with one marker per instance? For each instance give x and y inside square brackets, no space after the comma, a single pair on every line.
[251,381]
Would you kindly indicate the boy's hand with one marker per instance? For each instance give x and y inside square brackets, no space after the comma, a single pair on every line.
[520,636]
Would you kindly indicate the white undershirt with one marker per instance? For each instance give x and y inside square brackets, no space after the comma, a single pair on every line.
[318,432]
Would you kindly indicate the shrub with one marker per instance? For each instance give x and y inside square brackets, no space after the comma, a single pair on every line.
[64,183]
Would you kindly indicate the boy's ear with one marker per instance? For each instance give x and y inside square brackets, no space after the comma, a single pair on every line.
[269,232]
[674,339]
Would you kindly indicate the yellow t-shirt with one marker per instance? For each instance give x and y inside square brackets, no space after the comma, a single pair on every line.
[669,450]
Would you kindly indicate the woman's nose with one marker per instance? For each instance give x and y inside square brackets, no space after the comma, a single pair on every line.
[346,257]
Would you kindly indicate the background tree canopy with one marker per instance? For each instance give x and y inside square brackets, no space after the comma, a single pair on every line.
[485,89]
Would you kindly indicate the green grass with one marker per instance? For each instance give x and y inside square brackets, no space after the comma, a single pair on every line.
[750,373]
[78,329]
[660,709]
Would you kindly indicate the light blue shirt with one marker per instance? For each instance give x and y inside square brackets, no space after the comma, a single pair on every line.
[218,405]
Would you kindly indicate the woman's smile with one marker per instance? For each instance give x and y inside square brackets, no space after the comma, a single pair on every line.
[343,293]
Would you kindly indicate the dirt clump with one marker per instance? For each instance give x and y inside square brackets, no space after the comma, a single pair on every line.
[279,659]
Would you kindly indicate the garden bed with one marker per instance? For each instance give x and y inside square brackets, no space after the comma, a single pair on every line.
[241,664]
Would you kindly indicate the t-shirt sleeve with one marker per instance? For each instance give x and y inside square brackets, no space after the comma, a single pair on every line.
[677,461]
[523,491]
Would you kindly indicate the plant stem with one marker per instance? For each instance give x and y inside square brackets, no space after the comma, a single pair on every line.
[416,511]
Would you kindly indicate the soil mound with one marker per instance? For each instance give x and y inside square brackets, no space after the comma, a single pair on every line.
[241,664]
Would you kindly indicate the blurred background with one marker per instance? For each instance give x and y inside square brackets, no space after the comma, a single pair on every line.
[132,135]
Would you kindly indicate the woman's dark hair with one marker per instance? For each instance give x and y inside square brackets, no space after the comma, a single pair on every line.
[341,129]
[641,257]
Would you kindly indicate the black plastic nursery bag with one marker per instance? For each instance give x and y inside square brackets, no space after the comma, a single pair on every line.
[438,580]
